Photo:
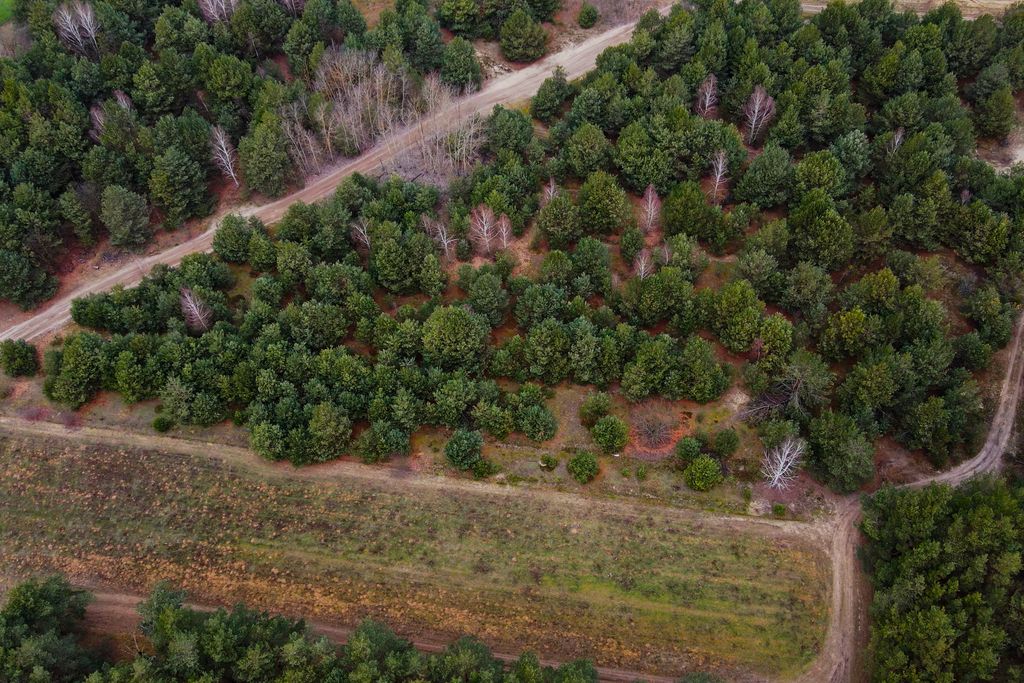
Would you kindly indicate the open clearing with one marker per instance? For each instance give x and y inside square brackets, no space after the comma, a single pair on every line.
[648,588]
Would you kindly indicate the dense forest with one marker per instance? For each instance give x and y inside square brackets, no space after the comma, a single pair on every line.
[41,624]
[825,165]
[119,117]
[946,566]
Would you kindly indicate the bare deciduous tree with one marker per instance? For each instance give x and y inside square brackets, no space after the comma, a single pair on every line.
[780,464]
[643,265]
[549,193]
[483,229]
[215,11]
[758,111]
[616,12]
[123,100]
[88,24]
[438,230]
[304,147]
[361,233]
[68,20]
[224,155]
[719,176]
[707,96]
[894,142]
[293,7]
[504,229]
[651,210]
[99,122]
[198,316]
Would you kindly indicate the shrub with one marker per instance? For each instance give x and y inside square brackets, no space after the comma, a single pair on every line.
[162,423]
[687,450]
[726,442]
[610,433]
[548,462]
[522,38]
[703,474]
[18,358]
[583,467]
[588,16]
[537,423]
[483,468]
[778,509]
[463,449]
[594,407]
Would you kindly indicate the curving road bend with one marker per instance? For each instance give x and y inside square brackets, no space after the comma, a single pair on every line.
[847,628]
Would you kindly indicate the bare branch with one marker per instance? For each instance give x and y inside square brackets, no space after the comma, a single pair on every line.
[780,464]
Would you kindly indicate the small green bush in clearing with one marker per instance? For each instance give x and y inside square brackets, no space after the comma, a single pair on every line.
[779,510]
[583,467]
[610,433]
[588,16]
[687,450]
[703,474]
[726,442]
[18,358]
[484,468]
[463,449]
[548,462]
[641,472]
[162,423]
[594,407]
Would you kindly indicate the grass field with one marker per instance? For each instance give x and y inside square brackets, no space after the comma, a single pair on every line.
[6,10]
[629,585]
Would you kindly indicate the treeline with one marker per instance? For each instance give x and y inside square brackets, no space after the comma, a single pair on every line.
[946,567]
[118,117]
[41,624]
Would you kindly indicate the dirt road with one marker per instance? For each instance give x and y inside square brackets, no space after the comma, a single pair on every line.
[847,629]
[512,87]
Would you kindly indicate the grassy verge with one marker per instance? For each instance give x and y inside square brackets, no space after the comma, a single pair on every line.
[6,10]
[631,586]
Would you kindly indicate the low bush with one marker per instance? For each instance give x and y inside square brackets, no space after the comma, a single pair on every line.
[588,16]
[18,358]
[610,433]
[703,474]
[594,407]
[583,467]
[463,449]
